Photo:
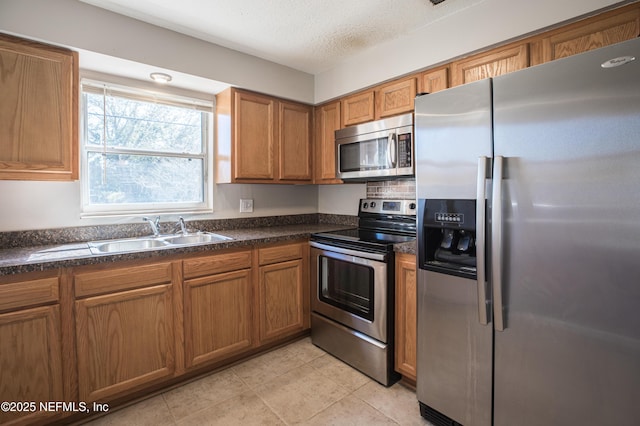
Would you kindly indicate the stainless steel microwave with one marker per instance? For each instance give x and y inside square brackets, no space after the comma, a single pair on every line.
[381,149]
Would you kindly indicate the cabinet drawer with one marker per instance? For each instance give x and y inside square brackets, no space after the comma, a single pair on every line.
[29,292]
[277,254]
[215,264]
[111,281]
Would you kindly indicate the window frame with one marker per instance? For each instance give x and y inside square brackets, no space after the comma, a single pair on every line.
[138,92]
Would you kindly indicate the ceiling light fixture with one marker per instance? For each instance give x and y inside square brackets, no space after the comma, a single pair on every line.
[160,77]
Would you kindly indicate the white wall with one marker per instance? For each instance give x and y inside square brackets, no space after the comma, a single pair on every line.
[341,199]
[43,205]
[484,24]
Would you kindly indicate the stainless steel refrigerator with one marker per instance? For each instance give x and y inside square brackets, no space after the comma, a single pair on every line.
[528,188]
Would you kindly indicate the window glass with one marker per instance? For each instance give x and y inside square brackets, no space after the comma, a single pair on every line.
[143,153]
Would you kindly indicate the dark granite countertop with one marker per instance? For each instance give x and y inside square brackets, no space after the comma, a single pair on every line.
[409,247]
[44,257]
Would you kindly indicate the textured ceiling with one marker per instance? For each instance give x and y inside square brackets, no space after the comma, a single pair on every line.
[308,35]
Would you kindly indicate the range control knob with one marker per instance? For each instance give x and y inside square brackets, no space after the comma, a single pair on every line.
[412,206]
[373,204]
[365,205]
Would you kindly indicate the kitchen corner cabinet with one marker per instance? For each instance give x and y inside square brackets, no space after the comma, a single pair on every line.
[406,315]
[124,328]
[38,111]
[612,27]
[497,62]
[358,108]
[283,290]
[327,121]
[218,307]
[395,98]
[433,80]
[261,139]
[30,336]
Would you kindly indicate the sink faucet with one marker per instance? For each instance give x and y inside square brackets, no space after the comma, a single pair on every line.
[182,226]
[153,224]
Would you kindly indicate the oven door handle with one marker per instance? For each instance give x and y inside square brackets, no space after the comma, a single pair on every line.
[367,255]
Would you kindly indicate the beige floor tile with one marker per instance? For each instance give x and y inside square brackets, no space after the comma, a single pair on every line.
[262,369]
[340,372]
[204,393]
[349,411]
[396,402]
[246,409]
[300,394]
[150,412]
[304,350]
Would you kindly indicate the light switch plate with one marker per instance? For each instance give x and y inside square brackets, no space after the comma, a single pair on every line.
[246,206]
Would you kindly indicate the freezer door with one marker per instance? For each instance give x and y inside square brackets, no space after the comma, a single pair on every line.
[454,349]
[569,135]
[454,353]
[452,131]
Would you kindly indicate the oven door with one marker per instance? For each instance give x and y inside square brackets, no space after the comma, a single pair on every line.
[350,287]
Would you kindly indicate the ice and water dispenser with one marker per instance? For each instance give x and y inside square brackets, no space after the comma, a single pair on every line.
[447,236]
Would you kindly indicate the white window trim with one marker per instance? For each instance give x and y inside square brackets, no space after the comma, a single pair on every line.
[138,90]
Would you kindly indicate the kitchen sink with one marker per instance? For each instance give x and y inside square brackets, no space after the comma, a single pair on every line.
[197,238]
[154,243]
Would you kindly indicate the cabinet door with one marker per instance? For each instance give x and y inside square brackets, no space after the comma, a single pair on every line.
[30,360]
[327,121]
[585,36]
[217,317]
[433,80]
[406,315]
[281,299]
[358,108]
[125,340]
[294,141]
[492,64]
[395,98]
[254,141]
[38,112]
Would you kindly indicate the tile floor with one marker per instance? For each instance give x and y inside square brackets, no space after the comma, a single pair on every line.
[296,384]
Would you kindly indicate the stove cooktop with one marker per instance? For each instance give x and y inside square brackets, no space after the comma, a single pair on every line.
[381,224]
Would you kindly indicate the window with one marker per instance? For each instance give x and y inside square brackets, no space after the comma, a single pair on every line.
[144,152]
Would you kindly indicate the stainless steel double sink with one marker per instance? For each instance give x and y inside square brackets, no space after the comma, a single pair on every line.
[154,243]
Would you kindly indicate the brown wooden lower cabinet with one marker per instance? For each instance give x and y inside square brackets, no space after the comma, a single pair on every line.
[30,363]
[283,291]
[142,324]
[406,315]
[217,317]
[124,340]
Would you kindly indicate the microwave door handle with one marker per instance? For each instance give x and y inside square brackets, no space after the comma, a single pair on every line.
[393,149]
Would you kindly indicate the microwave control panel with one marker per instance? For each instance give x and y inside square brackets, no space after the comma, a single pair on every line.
[404,150]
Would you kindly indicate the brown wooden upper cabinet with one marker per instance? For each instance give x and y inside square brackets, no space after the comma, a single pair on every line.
[358,108]
[294,141]
[38,111]
[610,28]
[262,139]
[490,64]
[327,121]
[395,98]
[433,80]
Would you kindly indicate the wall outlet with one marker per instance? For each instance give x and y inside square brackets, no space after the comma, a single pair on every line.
[246,206]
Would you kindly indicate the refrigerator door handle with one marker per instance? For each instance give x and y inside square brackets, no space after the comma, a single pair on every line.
[496,244]
[483,302]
